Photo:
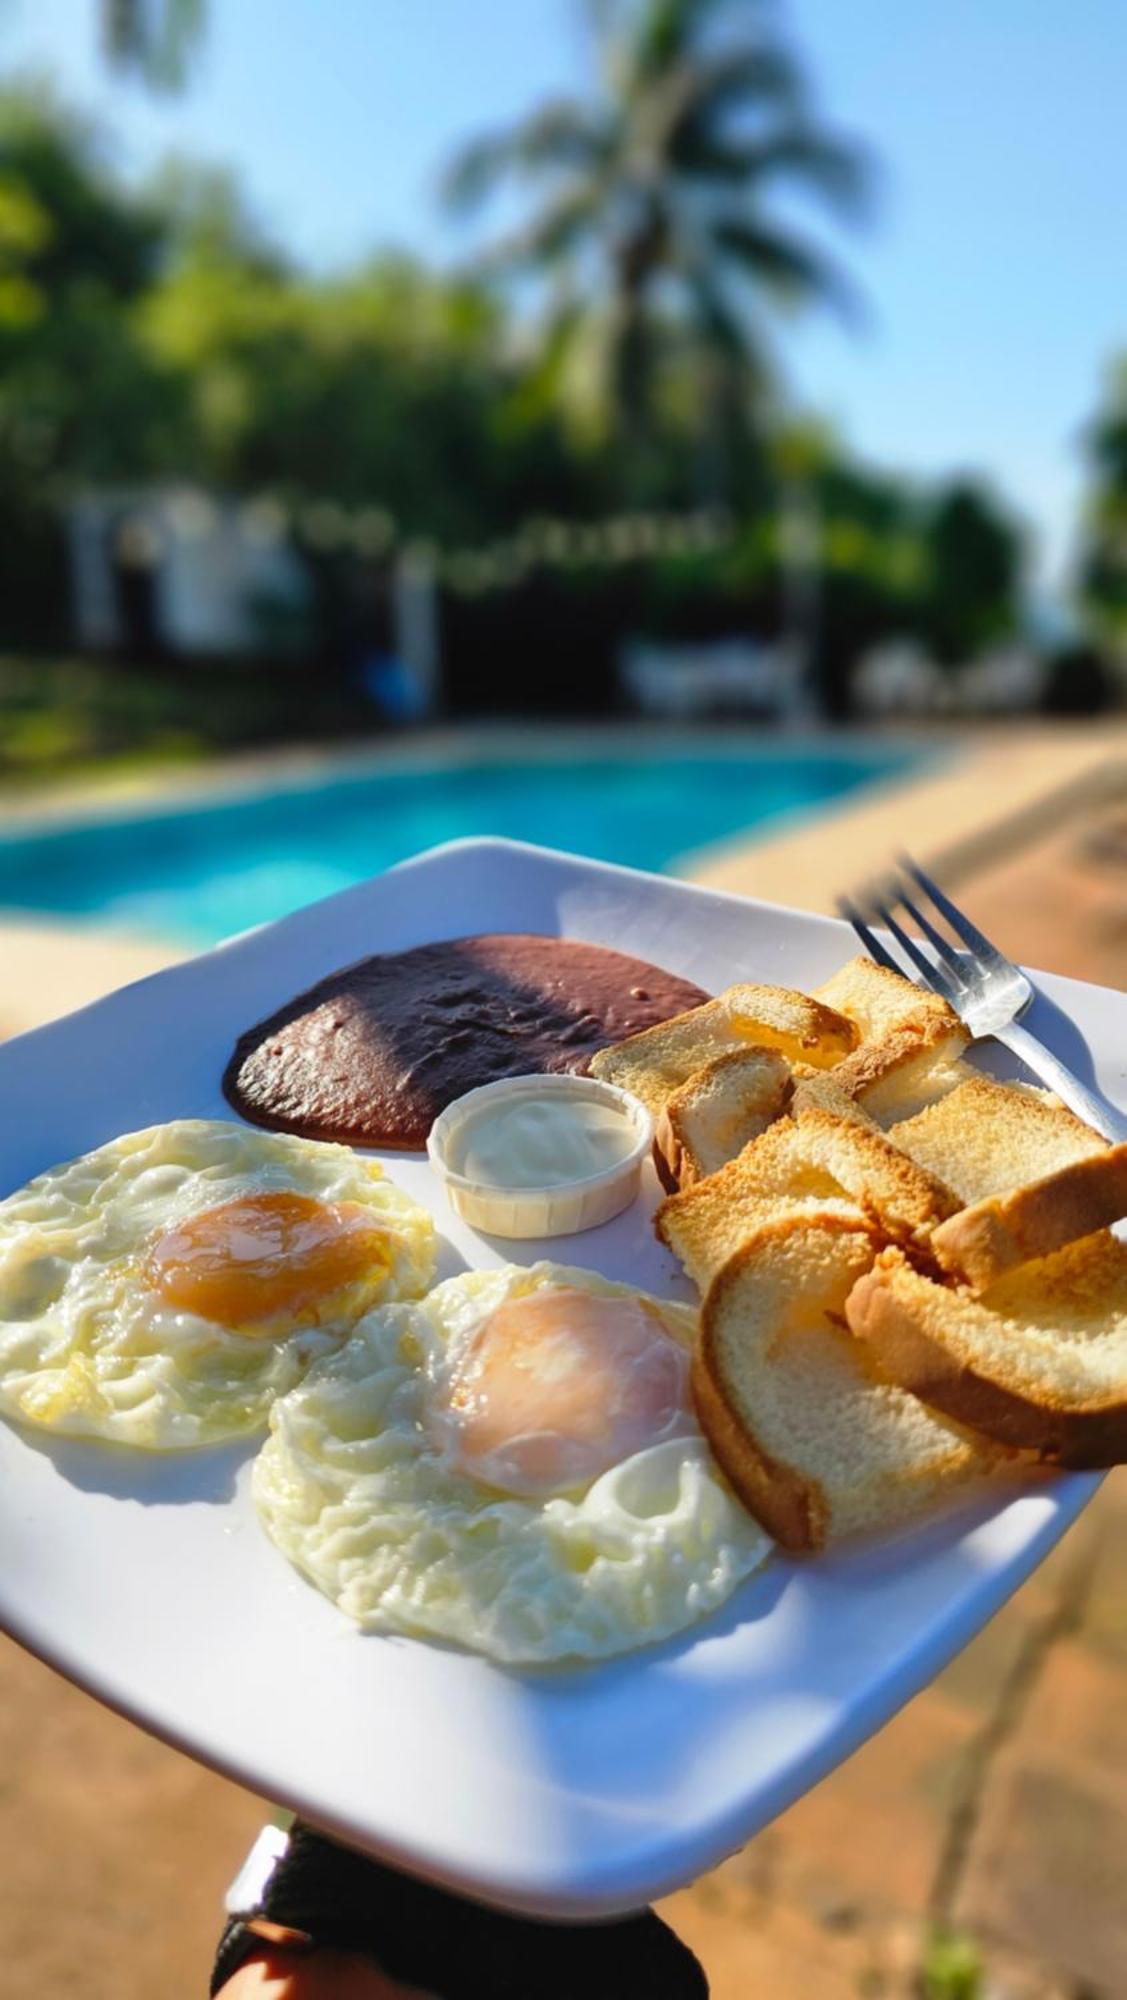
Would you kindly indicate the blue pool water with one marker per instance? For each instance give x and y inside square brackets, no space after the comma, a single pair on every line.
[200,872]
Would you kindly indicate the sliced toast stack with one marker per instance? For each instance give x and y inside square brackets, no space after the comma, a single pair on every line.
[907,1271]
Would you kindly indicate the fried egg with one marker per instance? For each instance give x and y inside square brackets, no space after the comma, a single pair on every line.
[163,1290]
[512,1464]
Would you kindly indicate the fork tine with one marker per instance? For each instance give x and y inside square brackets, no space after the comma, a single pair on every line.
[936,939]
[962,926]
[934,976]
[872,944]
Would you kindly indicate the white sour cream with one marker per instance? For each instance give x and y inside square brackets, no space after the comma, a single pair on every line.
[544,1141]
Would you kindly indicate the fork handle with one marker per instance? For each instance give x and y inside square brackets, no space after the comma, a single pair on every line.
[1087,1104]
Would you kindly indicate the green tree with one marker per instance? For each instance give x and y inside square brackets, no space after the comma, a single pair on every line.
[974,553]
[388,386]
[78,398]
[154,39]
[160,334]
[205,218]
[76,393]
[657,231]
[1103,565]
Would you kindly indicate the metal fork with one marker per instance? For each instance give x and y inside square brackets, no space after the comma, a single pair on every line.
[987,991]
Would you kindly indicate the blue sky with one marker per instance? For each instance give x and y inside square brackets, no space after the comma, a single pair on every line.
[994,264]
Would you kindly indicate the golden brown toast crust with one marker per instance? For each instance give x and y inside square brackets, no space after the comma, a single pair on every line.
[791,1505]
[879,1059]
[676,1156]
[884,1308]
[822,1154]
[900,1195]
[655,1063]
[879,999]
[791,1509]
[696,1223]
[825,1035]
[981,1243]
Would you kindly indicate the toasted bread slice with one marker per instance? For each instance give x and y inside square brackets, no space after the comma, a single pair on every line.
[817,1442]
[909,1040]
[658,1061]
[899,1074]
[985,1137]
[981,1243]
[834,1158]
[719,1111]
[903,1197]
[880,1002]
[802,1028]
[1022,1176]
[1039,1362]
[704,1123]
[706,1224]
[1030,1175]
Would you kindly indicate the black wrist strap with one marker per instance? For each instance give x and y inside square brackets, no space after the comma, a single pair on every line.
[236,1945]
[455,1949]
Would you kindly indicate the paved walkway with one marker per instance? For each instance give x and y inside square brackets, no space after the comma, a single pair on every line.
[985,1827]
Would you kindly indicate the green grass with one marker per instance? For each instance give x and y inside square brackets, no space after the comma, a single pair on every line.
[68,717]
[951,1968]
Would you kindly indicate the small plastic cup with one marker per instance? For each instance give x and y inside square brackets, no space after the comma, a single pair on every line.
[560,1209]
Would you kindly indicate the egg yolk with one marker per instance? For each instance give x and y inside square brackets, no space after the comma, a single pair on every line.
[560,1385]
[264,1256]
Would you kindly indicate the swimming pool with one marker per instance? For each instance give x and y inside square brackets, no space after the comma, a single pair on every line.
[206,869]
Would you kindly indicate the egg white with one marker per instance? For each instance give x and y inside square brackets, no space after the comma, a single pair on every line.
[355,1488]
[89,1349]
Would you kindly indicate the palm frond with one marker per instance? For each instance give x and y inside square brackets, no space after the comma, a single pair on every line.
[155,38]
[656,206]
[764,75]
[561,134]
[793,272]
[837,169]
[724,328]
[550,236]
[694,97]
[669,32]
[666,34]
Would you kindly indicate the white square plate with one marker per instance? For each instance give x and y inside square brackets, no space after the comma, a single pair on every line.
[573,1794]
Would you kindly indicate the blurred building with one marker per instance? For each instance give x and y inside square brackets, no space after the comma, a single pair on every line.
[175,571]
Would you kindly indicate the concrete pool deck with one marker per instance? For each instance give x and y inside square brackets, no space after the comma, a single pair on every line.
[1000,791]
[994,1806]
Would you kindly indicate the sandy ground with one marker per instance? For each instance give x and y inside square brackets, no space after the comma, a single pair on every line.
[996,1804]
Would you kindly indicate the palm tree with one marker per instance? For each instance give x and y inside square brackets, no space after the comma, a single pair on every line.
[657,232]
[154,38]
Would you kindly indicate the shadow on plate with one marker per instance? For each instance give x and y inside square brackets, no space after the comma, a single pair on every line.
[450,1262]
[1060,1033]
[1053,1026]
[205,1477]
[753,1600]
